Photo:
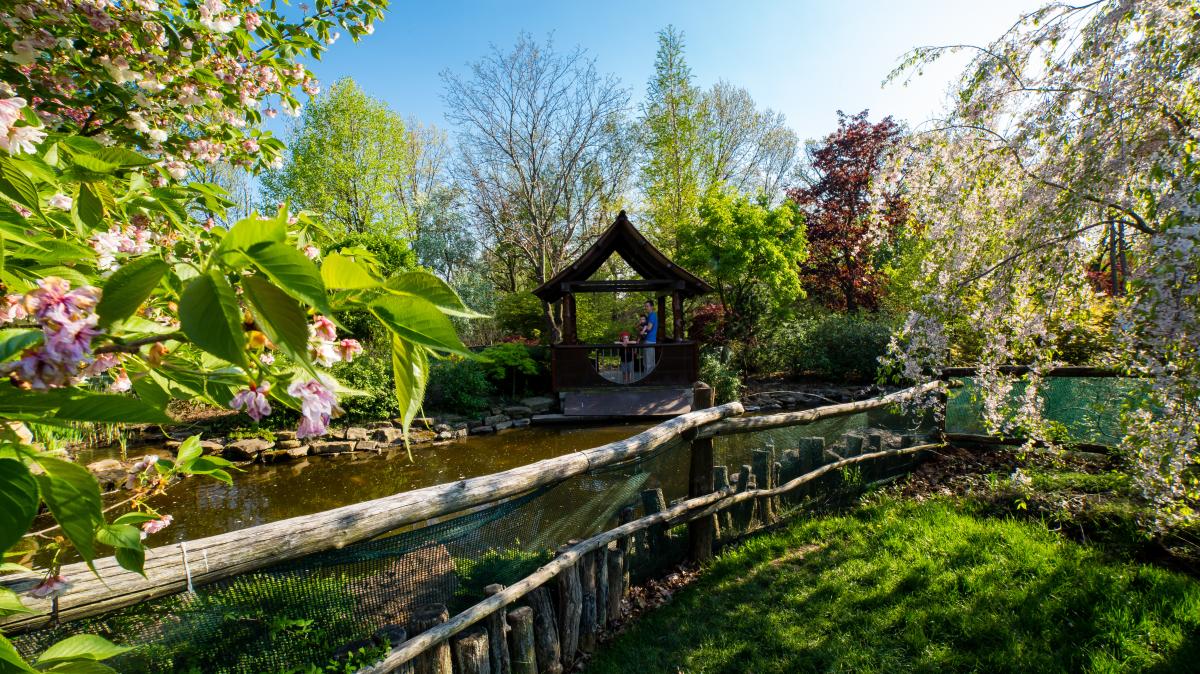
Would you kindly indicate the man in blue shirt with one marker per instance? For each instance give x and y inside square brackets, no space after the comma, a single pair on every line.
[651,334]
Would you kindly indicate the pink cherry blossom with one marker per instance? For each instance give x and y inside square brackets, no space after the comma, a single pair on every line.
[121,383]
[22,140]
[323,328]
[61,202]
[254,400]
[50,587]
[312,252]
[155,526]
[10,112]
[350,348]
[317,405]
[12,308]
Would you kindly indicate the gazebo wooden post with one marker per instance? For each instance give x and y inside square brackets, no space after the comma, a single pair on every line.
[676,316]
[662,313]
[570,333]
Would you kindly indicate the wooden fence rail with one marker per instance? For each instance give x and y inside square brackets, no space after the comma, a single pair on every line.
[569,558]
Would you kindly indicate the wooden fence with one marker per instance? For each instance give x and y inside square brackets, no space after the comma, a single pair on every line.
[598,561]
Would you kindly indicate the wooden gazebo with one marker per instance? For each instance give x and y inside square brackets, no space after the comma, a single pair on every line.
[614,380]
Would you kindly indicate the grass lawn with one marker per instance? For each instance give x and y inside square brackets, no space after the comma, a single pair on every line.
[899,586]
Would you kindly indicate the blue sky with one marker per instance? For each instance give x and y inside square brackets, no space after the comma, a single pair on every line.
[805,59]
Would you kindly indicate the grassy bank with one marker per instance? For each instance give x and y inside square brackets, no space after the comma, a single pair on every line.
[899,586]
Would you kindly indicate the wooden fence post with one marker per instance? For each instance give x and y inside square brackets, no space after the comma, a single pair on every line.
[570,610]
[520,641]
[437,659]
[653,501]
[777,501]
[497,642]
[546,644]
[746,510]
[587,614]
[601,588]
[625,544]
[761,459]
[721,483]
[471,653]
[616,582]
[701,533]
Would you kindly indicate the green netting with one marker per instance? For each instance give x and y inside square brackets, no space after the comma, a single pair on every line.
[1082,409]
[301,613]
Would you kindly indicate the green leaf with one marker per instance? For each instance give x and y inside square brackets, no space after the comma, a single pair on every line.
[81,647]
[134,518]
[128,287]
[18,501]
[110,408]
[132,559]
[93,163]
[209,316]
[410,369]
[289,269]
[80,667]
[88,206]
[280,317]
[9,567]
[212,466]
[419,321]
[73,496]
[10,603]
[17,186]
[340,272]
[119,536]
[119,156]
[151,391]
[189,451]
[431,289]
[253,231]
[16,340]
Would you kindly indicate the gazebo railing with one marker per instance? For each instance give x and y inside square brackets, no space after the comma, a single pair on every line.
[616,365]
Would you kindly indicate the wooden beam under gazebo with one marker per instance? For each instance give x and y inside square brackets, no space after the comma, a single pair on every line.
[648,379]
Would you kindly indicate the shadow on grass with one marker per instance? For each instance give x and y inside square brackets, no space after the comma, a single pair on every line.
[899,586]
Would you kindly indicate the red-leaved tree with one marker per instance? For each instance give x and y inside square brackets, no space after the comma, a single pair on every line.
[849,238]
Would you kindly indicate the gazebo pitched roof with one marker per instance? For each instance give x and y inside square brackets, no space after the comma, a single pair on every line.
[647,261]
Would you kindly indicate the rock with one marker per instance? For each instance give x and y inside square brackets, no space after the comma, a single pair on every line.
[482,430]
[441,428]
[330,447]
[518,411]
[503,425]
[366,446]
[211,446]
[297,452]
[422,422]
[379,424]
[275,456]
[538,404]
[285,435]
[288,444]
[356,433]
[444,435]
[388,436]
[459,432]
[110,473]
[494,419]
[521,423]
[172,444]
[473,424]
[246,450]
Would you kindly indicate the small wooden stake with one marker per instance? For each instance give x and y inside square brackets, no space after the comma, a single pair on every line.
[762,479]
[520,641]
[745,512]
[777,501]
[656,536]
[625,544]
[437,659]
[570,610]
[546,643]
[721,483]
[471,653]
[587,614]
[497,643]
[616,583]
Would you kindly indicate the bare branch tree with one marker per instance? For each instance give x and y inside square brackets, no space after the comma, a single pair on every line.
[543,152]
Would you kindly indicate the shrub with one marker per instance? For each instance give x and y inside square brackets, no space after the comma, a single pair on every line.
[509,363]
[719,373]
[458,385]
[371,375]
[837,346]
[520,313]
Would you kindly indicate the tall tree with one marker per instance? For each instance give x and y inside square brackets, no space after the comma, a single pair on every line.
[671,137]
[850,226]
[748,149]
[751,253]
[348,156]
[544,153]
